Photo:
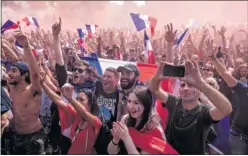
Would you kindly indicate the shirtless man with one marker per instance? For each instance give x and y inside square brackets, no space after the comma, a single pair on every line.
[30,137]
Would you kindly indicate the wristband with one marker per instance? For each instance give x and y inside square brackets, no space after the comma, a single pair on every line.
[114,143]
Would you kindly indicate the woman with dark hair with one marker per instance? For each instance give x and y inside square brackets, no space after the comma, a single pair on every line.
[130,136]
[79,118]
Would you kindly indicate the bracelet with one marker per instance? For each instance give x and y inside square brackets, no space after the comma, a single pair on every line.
[114,143]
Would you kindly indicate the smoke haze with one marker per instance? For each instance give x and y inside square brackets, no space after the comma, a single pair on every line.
[75,13]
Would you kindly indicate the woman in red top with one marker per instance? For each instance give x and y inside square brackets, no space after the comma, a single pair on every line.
[80,117]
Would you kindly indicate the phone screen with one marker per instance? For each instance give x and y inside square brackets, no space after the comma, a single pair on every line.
[174,71]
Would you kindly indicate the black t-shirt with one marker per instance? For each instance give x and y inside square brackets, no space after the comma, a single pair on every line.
[240,120]
[107,103]
[229,94]
[187,131]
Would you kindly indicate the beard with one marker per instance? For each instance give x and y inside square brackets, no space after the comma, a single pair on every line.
[16,82]
[129,85]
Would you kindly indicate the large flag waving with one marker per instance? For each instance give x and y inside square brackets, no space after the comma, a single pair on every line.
[149,54]
[144,21]
[9,25]
[93,61]
[81,34]
[31,21]
[91,29]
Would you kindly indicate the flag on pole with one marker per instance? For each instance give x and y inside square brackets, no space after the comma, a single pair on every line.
[149,54]
[31,21]
[91,29]
[9,25]
[93,61]
[179,40]
[81,34]
[144,21]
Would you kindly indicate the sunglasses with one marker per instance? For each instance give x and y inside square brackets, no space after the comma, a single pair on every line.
[78,69]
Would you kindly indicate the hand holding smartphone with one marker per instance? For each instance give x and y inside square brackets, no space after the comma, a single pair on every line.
[173,71]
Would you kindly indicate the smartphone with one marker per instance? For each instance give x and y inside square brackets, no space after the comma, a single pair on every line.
[219,53]
[174,71]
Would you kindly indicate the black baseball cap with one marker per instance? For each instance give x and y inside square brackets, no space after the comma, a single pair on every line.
[129,67]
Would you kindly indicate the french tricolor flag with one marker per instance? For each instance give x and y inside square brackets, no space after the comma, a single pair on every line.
[9,25]
[149,54]
[81,34]
[30,21]
[91,29]
[20,48]
[144,21]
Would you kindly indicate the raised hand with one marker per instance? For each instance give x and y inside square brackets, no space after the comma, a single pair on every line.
[210,48]
[169,33]
[42,77]
[159,73]
[21,38]
[205,33]
[232,38]
[56,28]
[222,31]
[67,91]
[192,74]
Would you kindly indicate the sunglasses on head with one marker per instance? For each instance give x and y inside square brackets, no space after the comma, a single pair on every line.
[78,69]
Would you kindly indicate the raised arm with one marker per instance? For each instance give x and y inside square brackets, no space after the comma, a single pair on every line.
[60,64]
[99,44]
[154,82]
[222,106]
[205,34]
[56,28]
[67,92]
[170,38]
[221,69]
[52,95]
[223,37]
[30,59]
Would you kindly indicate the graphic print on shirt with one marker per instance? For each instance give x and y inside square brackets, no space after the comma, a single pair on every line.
[107,107]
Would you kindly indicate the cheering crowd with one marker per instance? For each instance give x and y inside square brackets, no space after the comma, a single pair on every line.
[55,102]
